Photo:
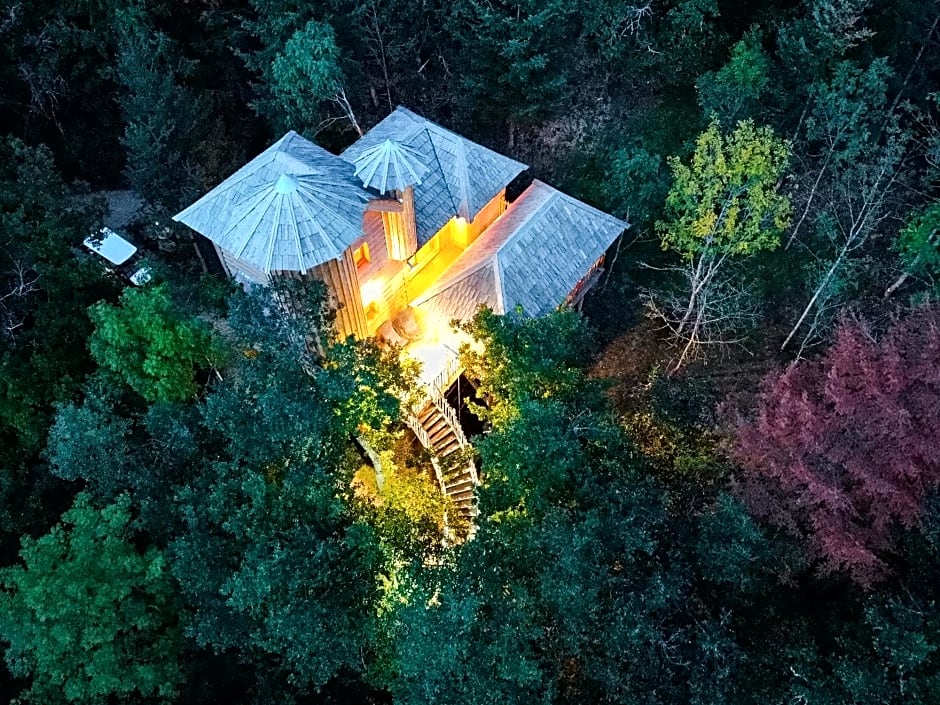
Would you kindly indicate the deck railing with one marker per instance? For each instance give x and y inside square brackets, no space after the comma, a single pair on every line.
[412,421]
[441,383]
[450,414]
[437,391]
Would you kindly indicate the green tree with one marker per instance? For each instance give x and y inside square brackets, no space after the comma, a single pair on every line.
[161,114]
[150,345]
[45,290]
[519,357]
[88,616]
[918,247]
[636,185]
[273,559]
[724,205]
[734,91]
[846,114]
[576,587]
[868,147]
[116,448]
[514,57]
[306,74]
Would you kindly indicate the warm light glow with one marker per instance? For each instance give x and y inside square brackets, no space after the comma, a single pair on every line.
[361,256]
[371,291]
[460,232]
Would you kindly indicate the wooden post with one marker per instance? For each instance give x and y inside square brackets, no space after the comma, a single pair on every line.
[401,233]
[408,216]
[341,281]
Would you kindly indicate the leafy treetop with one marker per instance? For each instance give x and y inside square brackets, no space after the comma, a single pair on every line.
[726,201]
[151,345]
[844,449]
[88,615]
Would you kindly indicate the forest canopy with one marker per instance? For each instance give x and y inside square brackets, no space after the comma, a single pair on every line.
[718,482]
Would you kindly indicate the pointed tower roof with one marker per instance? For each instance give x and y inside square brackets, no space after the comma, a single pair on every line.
[292,207]
[390,166]
[462,176]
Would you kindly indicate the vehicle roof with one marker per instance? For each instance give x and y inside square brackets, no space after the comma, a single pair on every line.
[111,246]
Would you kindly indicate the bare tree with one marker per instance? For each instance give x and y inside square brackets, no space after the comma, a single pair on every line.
[842,115]
[859,202]
[722,206]
[723,311]
[20,281]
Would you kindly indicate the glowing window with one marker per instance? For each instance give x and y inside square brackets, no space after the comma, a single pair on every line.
[361,255]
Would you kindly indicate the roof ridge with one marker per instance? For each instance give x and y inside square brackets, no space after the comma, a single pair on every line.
[409,112]
[498,281]
[463,179]
[581,204]
[552,196]
[454,202]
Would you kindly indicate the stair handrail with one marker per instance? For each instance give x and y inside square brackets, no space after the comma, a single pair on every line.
[450,415]
[442,381]
[425,440]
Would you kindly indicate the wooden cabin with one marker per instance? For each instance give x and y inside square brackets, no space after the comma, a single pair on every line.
[409,228]
[411,216]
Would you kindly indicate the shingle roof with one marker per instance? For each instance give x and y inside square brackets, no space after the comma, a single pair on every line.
[463,176]
[556,241]
[463,297]
[390,166]
[532,256]
[292,207]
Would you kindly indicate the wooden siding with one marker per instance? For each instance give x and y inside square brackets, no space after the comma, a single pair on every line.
[381,280]
[240,270]
[340,278]
[373,235]
[490,212]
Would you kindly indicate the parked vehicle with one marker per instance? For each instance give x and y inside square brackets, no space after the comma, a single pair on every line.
[122,257]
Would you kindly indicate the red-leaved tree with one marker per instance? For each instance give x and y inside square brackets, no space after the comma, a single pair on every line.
[844,449]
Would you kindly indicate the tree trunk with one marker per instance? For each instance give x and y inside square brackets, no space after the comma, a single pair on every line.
[816,294]
[698,281]
[809,201]
[901,279]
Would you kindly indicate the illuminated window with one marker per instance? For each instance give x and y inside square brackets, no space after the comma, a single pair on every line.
[361,256]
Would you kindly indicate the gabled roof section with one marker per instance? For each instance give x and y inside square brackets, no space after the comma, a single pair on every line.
[532,256]
[292,207]
[554,241]
[463,297]
[463,176]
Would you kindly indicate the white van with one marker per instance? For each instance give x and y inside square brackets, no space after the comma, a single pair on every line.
[119,253]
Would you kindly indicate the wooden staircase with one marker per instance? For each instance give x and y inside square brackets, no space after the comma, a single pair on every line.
[437,427]
[458,474]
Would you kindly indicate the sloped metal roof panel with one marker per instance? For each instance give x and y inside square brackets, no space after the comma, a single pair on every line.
[463,297]
[555,240]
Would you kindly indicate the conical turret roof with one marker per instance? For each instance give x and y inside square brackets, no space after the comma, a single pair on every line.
[291,208]
[390,166]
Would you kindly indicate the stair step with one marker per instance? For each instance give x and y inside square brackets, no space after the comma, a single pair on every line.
[462,482]
[427,412]
[460,473]
[437,434]
[446,449]
[463,494]
[433,420]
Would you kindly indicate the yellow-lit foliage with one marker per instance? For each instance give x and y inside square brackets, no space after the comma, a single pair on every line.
[407,508]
